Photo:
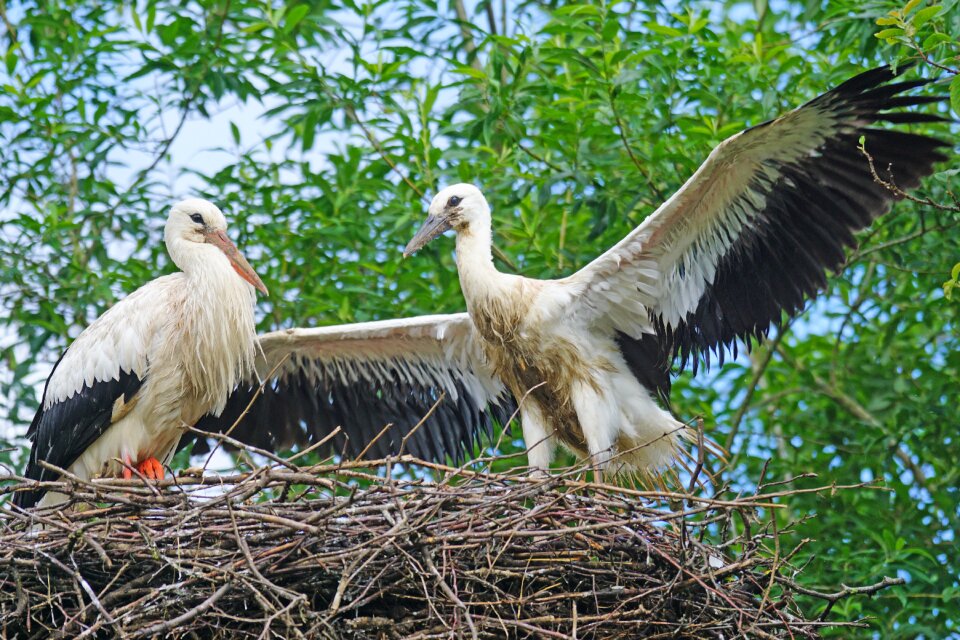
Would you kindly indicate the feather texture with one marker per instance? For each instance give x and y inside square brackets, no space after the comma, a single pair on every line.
[152,364]
[366,376]
[752,234]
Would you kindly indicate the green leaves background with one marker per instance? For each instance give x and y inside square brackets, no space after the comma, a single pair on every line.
[329,120]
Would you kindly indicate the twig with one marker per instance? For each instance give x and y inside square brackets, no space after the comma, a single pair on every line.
[846,592]
[167,625]
[246,409]
[755,378]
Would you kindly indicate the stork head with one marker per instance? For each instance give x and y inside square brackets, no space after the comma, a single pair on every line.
[457,207]
[201,223]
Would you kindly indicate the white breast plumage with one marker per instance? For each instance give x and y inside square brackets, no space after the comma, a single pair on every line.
[125,390]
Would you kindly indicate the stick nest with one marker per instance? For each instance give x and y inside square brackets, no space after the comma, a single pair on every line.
[336,551]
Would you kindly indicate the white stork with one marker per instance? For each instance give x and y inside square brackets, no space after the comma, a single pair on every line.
[746,240]
[125,390]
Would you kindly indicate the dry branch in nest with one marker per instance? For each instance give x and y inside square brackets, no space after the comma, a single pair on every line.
[333,551]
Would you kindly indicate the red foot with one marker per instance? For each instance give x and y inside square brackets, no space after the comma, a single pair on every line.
[127,472]
[151,468]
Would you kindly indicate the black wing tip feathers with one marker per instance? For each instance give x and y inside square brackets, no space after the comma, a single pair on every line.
[810,215]
[300,410]
[873,77]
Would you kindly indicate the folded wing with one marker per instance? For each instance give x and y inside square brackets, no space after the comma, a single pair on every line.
[94,383]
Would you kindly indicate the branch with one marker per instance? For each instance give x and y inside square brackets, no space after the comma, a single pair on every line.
[352,115]
[167,625]
[899,193]
[846,592]
[931,62]
[491,18]
[622,128]
[464,22]
[758,372]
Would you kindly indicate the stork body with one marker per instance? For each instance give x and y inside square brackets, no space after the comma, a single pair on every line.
[124,391]
[575,384]
[587,358]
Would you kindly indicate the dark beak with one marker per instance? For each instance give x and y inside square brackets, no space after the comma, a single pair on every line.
[433,227]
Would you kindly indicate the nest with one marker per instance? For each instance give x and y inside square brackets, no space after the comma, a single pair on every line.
[337,551]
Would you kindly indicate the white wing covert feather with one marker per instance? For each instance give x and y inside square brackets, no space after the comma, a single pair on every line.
[118,341]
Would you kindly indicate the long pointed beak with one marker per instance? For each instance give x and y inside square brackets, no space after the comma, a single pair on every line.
[433,227]
[220,240]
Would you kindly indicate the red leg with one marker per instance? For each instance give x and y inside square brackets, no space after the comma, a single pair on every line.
[151,468]
[127,472]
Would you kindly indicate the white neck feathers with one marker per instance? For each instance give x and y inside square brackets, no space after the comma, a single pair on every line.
[218,323]
[479,278]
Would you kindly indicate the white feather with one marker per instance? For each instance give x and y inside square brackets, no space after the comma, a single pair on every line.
[189,336]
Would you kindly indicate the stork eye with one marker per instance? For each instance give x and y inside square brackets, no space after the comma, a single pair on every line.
[196,217]
[453,201]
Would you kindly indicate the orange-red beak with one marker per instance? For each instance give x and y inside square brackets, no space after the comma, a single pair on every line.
[219,239]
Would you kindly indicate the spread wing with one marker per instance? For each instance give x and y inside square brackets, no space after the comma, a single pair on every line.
[362,377]
[753,232]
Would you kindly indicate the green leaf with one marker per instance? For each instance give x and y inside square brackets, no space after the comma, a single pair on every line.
[136,18]
[955,94]
[664,30]
[579,10]
[910,6]
[470,71]
[611,28]
[935,40]
[888,34]
[151,16]
[294,16]
[11,60]
[255,27]
[924,15]
[309,129]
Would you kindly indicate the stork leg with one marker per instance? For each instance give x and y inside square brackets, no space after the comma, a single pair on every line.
[599,419]
[538,440]
[127,472]
[151,468]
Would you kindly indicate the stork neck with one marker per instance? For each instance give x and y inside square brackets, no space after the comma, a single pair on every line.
[217,327]
[188,256]
[475,260]
[207,267]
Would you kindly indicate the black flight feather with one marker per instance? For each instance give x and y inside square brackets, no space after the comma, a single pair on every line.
[296,410]
[811,212]
[62,432]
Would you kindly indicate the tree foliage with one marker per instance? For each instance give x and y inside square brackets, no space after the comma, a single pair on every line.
[318,127]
